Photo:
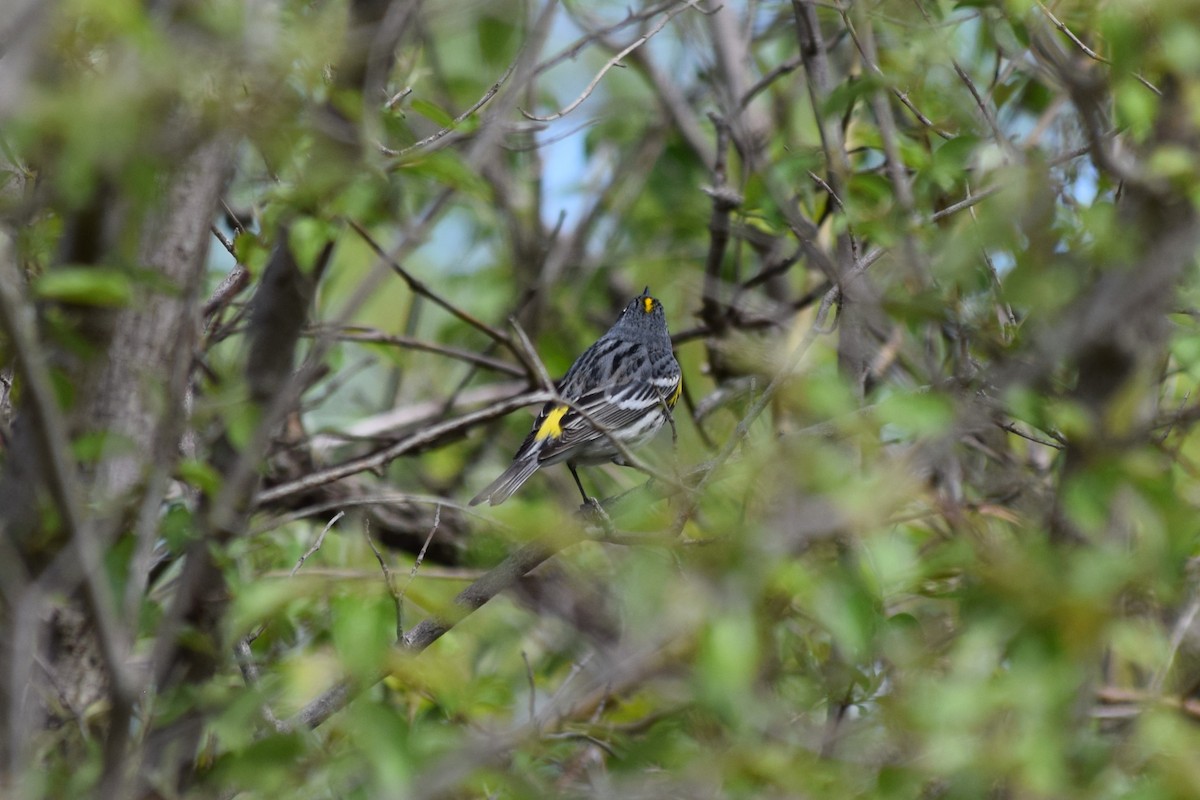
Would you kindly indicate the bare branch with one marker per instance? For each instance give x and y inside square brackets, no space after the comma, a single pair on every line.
[430,630]
[397,598]
[317,544]
[612,62]
[358,333]
[51,432]
[420,559]
[571,51]
[433,138]
[419,288]
[377,460]
[1087,51]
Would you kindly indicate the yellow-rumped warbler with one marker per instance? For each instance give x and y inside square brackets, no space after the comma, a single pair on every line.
[623,387]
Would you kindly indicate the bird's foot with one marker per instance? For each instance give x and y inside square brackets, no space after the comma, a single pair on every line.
[593,509]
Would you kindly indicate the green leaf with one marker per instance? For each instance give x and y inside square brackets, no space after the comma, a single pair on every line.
[1137,107]
[263,600]
[241,421]
[89,446]
[918,414]
[200,475]
[178,527]
[431,112]
[951,159]
[250,252]
[308,237]
[845,95]
[266,764]
[727,662]
[870,195]
[363,631]
[85,286]
[495,39]
[449,169]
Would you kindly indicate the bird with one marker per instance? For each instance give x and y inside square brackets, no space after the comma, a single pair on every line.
[623,387]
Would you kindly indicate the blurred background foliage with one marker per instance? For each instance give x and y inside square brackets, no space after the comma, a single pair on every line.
[926,527]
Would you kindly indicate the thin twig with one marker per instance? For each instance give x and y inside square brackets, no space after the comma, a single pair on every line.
[397,97]
[382,457]
[225,241]
[785,68]
[867,50]
[249,667]
[364,500]
[492,91]
[371,336]
[612,62]
[317,544]
[437,521]
[531,356]
[1011,428]
[419,288]
[1180,630]
[1089,52]
[897,169]
[397,597]
[249,638]
[433,628]
[543,142]
[571,51]
[724,201]
[239,227]
[532,688]
[743,426]
[230,287]
[1140,700]
[51,431]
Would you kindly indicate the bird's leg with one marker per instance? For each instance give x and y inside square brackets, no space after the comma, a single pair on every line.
[662,401]
[587,501]
[592,503]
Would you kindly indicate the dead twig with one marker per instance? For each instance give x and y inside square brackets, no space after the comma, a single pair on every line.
[380,458]
[433,138]
[612,62]
[397,597]
[317,544]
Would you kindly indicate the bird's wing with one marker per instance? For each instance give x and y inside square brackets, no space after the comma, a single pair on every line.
[597,415]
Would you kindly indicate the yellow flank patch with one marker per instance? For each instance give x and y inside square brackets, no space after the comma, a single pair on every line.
[674,398]
[552,427]
[649,304]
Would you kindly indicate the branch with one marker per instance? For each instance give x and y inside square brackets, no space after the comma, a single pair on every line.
[897,170]
[358,333]
[380,458]
[1089,52]
[453,126]
[612,62]
[494,581]
[51,431]
[743,426]
[230,287]
[785,68]
[575,48]
[820,84]
[419,288]
[724,201]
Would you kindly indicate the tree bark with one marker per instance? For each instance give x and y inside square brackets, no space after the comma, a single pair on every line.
[130,389]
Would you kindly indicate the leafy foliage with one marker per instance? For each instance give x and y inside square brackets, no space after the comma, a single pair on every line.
[926,525]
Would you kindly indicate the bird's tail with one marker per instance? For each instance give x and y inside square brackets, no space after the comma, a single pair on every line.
[509,481]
